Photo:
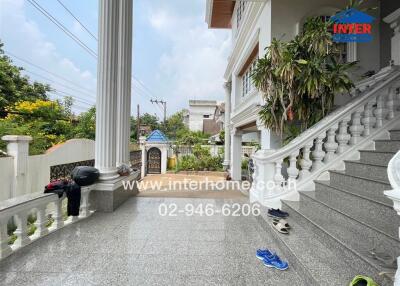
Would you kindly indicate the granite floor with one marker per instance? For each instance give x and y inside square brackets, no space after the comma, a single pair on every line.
[136,246]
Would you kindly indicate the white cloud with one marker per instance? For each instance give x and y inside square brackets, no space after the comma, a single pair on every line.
[26,40]
[193,68]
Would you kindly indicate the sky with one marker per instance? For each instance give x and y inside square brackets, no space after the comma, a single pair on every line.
[175,56]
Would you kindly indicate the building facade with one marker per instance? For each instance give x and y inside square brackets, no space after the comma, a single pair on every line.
[254,24]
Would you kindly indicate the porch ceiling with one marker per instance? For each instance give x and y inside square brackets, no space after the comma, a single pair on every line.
[220,13]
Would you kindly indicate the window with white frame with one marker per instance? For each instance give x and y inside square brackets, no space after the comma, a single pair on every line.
[247,81]
[240,13]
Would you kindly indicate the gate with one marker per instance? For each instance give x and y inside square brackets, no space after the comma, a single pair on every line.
[154,161]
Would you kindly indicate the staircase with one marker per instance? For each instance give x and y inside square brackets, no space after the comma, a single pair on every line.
[335,226]
[338,211]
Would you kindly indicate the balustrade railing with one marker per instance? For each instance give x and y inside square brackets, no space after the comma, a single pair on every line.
[47,211]
[296,165]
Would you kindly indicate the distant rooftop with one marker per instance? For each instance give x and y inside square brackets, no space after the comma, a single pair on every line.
[202,102]
[157,136]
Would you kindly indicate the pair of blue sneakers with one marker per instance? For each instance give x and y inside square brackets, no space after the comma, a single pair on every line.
[271,259]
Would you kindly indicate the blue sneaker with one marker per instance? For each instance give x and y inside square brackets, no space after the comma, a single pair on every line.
[261,253]
[275,262]
[277,213]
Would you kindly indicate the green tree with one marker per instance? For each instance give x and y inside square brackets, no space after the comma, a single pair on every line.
[86,125]
[14,87]
[300,78]
[175,126]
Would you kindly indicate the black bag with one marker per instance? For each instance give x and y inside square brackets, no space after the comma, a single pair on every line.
[57,187]
[85,176]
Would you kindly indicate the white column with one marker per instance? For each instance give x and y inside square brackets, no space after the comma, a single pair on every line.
[227,139]
[268,139]
[106,102]
[394,21]
[142,141]
[236,158]
[18,148]
[124,82]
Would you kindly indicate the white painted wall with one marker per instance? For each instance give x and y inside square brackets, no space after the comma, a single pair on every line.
[197,112]
[6,177]
[38,173]
[71,151]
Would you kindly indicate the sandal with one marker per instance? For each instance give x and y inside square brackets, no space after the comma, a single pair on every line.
[280,227]
[283,221]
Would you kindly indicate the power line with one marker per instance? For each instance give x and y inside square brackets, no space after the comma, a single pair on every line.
[62,27]
[80,23]
[65,86]
[45,70]
[76,38]
[64,97]
[74,97]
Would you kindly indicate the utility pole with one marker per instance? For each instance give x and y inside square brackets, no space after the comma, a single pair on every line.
[138,123]
[164,105]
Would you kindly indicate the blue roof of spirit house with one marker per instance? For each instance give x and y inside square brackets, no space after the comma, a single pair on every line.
[157,136]
[352,15]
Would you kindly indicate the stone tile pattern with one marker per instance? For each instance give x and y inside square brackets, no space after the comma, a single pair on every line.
[136,246]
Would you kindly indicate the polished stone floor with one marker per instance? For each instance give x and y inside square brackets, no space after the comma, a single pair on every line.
[136,246]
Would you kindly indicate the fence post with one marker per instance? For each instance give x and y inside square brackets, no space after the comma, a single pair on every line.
[18,148]
[142,141]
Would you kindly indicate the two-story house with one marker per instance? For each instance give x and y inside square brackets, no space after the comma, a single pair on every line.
[254,24]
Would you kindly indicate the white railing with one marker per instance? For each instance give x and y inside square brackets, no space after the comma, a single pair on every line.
[280,173]
[47,208]
[394,195]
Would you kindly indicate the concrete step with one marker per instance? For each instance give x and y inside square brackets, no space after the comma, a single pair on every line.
[308,255]
[335,235]
[395,134]
[346,228]
[377,215]
[367,170]
[387,145]
[376,157]
[365,187]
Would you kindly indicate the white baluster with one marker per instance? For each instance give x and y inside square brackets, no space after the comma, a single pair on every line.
[356,128]
[367,119]
[22,229]
[41,221]
[292,171]
[380,111]
[278,178]
[305,162]
[5,249]
[343,137]
[85,205]
[318,153]
[390,104]
[330,144]
[58,214]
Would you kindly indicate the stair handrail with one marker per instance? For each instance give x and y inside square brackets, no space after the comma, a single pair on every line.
[330,120]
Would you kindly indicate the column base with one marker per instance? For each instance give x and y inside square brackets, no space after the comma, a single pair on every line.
[108,196]
[225,165]
[108,175]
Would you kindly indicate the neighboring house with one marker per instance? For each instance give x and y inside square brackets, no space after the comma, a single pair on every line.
[331,178]
[202,116]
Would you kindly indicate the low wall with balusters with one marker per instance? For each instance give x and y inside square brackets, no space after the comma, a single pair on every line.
[279,174]
[49,213]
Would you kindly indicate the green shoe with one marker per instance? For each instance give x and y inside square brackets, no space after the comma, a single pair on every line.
[360,280]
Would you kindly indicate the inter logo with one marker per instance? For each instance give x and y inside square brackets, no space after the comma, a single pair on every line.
[352,26]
